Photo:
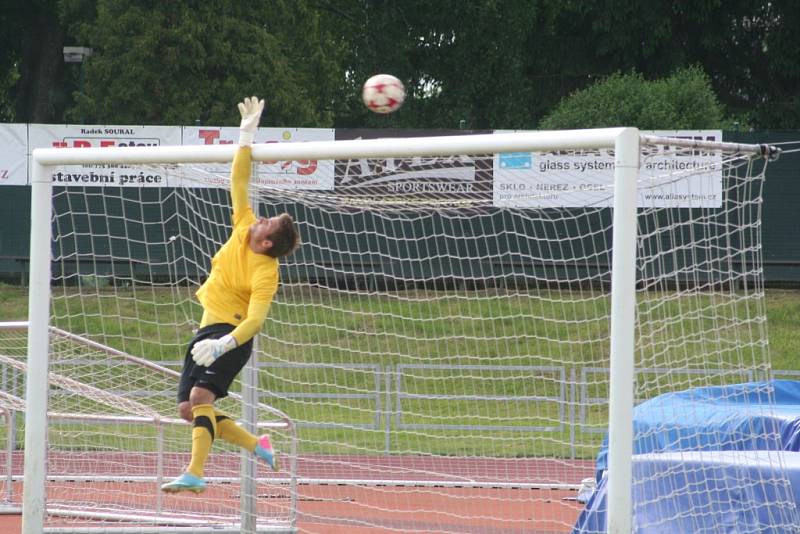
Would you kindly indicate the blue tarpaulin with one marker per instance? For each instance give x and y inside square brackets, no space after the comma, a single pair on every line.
[750,416]
[708,492]
[712,459]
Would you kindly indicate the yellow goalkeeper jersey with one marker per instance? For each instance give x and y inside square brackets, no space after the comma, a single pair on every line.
[241,285]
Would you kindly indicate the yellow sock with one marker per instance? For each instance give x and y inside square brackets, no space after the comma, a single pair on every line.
[204,429]
[232,433]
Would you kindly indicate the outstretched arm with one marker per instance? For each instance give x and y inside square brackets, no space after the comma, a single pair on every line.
[250,110]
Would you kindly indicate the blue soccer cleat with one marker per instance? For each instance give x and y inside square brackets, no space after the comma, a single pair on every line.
[265,451]
[185,482]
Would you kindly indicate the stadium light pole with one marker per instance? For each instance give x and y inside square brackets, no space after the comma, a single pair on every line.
[77,54]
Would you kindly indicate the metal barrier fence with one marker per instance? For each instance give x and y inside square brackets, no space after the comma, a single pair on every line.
[570,394]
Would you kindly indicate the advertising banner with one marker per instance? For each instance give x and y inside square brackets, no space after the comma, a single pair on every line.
[416,181]
[14,156]
[669,177]
[97,175]
[307,174]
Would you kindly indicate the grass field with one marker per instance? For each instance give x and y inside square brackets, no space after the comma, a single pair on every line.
[332,330]
[143,320]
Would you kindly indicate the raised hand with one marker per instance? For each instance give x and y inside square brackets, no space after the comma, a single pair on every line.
[250,109]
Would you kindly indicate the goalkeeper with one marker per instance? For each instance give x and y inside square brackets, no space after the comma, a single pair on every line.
[235,298]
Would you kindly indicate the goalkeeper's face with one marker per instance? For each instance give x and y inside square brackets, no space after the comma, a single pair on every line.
[261,232]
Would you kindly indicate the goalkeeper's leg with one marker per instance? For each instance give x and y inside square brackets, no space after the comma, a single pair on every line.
[204,430]
[228,430]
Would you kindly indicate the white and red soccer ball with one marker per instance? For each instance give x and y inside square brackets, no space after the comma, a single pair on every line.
[383,93]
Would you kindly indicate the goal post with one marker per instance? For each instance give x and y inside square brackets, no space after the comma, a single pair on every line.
[418,366]
[623,320]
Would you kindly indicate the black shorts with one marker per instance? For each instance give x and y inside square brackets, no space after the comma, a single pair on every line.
[218,377]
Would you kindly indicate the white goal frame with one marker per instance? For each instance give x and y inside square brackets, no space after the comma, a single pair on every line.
[625,143]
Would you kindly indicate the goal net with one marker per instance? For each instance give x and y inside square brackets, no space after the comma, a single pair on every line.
[444,345]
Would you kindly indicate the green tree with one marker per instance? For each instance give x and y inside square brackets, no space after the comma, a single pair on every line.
[31,62]
[684,100]
[182,62]
[488,63]
[748,48]
[7,112]
[477,64]
[507,63]
[485,64]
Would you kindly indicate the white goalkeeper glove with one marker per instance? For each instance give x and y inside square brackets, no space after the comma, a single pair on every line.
[206,351]
[250,110]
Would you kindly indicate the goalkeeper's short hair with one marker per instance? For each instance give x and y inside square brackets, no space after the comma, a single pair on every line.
[285,238]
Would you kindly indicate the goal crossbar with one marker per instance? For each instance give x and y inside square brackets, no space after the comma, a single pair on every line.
[398,147]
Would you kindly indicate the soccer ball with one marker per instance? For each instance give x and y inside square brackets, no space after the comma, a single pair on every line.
[383,93]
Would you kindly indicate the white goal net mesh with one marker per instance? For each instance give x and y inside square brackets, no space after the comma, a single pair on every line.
[440,341]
